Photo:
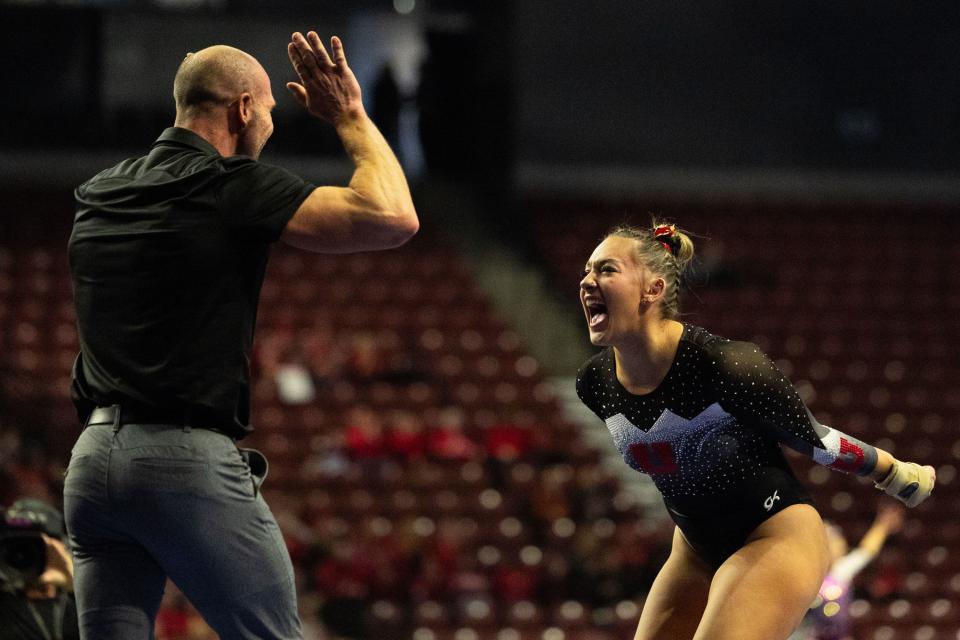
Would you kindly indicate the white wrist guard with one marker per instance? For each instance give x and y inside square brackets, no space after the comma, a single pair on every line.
[908,482]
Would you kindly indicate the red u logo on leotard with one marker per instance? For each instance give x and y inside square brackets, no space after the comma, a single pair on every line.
[656,457]
[850,458]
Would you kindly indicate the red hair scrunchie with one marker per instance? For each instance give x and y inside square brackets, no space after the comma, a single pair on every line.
[665,235]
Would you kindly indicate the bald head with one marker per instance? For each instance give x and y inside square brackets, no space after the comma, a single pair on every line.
[215,76]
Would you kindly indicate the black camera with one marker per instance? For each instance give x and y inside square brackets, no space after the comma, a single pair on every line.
[23,551]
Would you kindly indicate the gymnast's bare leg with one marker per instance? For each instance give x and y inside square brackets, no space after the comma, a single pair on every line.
[762,591]
[678,596]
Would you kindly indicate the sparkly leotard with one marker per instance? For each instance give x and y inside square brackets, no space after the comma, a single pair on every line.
[709,436]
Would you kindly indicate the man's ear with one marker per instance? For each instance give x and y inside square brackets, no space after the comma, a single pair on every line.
[239,113]
[244,109]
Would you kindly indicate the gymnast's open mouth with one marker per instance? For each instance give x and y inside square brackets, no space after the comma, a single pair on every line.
[596,311]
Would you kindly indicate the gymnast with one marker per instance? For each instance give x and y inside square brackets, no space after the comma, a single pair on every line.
[705,417]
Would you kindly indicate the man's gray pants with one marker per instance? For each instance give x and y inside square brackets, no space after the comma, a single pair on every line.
[144,502]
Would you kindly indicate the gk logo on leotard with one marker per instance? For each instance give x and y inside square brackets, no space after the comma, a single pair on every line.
[768,503]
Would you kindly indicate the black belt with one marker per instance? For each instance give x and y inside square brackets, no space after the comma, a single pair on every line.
[119,415]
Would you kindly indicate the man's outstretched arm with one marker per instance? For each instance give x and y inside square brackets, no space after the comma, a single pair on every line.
[375,211]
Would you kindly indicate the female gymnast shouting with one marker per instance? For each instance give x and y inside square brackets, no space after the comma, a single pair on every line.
[705,417]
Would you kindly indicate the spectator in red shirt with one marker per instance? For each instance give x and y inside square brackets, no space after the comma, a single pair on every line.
[506,441]
[364,437]
[514,581]
[406,439]
[447,440]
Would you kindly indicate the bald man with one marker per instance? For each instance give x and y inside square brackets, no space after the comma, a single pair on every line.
[167,255]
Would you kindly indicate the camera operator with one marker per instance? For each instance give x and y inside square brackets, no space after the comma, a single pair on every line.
[36,575]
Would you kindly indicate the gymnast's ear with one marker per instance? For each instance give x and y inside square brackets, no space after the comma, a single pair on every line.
[653,289]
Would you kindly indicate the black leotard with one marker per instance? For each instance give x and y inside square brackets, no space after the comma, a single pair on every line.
[709,435]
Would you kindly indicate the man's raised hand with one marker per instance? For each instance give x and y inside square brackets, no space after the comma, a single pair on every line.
[327,88]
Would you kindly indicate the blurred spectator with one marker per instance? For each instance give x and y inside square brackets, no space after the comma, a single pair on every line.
[506,441]
[364,436]
[30,465]
[551,495]
[468,581]
[391,568]
[447,545]
[323,353]
[437,559]
[30,473]
[514,581]
[177,619]
[298,361]
[407,439]
[366,359]
[640,556]
[298,535]
[888,578]
[555,584]
[829,615]
[173,617]
[446,439]
[405,364]
[430,580]
[36,581]
[343,578]
[593,569]
[594,491]
[381,356]
[329,460]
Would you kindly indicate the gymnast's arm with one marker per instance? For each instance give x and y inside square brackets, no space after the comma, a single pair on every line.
[888,521]
[754,390]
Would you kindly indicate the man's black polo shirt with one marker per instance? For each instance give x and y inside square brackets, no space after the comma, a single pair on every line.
[167,255]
